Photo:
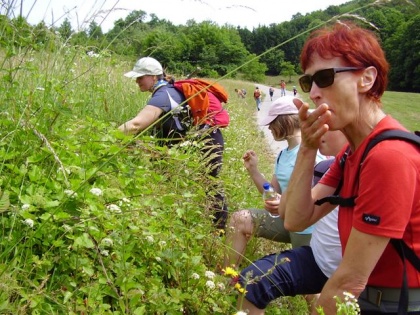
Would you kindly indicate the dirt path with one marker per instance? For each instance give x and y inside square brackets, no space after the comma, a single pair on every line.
[276,146]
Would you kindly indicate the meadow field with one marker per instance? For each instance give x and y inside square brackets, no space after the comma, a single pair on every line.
[95,222]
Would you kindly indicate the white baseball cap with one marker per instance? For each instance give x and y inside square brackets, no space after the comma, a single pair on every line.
[281,106]
[145,66]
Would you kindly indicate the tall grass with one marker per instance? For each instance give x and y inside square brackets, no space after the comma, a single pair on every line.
[96,222]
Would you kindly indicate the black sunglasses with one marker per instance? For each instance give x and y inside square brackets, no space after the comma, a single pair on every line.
[322,78]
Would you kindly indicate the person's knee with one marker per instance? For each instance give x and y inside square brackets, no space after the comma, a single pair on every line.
[241,221]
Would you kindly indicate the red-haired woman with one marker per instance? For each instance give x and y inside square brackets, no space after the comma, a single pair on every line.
[345,74]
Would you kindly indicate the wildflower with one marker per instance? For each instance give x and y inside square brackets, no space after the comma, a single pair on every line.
[221,286]
[39,88]
[348,296]
[209,274]
[70,193]
[96,191]
[162,243]
[210,284]
[25,206]
[29,222]
[150,238]
[114,208]
[185,143]
[105,253]
[158,259]
[107,242]
[229,271]
[240,288]
[195,276]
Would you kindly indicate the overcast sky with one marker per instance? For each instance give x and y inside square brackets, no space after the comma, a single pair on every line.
[244,13]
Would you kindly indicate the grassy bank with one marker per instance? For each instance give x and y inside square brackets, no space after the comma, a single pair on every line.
[99,223]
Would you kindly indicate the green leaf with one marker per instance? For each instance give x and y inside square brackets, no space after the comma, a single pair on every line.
[4,201]
[83,241]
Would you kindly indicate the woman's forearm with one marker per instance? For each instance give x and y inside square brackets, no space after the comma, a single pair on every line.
[298,206]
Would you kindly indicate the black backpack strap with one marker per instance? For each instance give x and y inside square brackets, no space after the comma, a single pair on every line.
[405,252]
[390,135]
[335,199]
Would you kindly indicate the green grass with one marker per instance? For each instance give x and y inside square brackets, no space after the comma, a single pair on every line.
[59,114]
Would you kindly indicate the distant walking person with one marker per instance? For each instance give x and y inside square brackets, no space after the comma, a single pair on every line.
[271,91]
[294,90]
[282,88]
[257,97]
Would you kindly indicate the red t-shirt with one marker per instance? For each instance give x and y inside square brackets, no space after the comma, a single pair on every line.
[388,202]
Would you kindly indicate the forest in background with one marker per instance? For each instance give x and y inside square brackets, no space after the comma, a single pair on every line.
[231,51]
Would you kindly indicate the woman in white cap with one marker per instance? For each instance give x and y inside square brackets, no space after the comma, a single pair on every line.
[283,121]
[150,77]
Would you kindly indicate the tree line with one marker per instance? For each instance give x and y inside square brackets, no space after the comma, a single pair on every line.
[231,51]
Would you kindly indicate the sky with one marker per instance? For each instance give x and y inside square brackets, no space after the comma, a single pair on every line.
[244,13]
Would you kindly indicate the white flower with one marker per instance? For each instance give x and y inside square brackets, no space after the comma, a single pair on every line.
[25,206]
[185,143]
[114,208]
[162,243]
[105,253]
[107,242]
[70,193]
[195,276]
[39,88]
[210,284]
[221,286]
[150,238]
[240,313]
[158,259]
[29,222]
[348,295]
[96,191]
[209,274]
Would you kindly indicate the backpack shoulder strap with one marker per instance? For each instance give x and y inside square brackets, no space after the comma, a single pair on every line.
[392,134]
[405,252]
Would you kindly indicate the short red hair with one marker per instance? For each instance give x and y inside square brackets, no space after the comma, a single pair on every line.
[358,47]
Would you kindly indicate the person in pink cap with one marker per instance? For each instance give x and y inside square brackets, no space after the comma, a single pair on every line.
[283,121]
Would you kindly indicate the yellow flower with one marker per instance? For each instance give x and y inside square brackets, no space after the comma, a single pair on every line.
[229,271]
[240,289]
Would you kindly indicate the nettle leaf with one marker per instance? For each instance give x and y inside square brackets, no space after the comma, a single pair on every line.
[4,201]
[52,203]
[83,241]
